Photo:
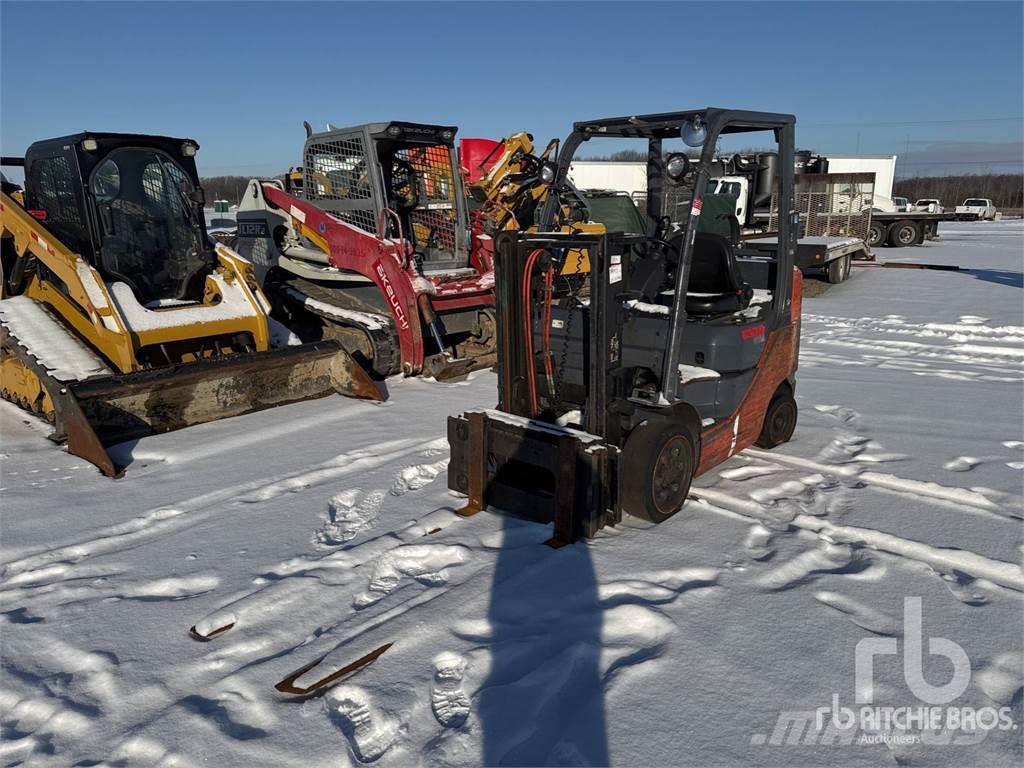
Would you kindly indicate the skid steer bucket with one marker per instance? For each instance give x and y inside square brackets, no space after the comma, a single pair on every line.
[103,410]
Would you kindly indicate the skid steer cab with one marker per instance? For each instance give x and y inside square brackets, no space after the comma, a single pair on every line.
[370,243]
[629,363]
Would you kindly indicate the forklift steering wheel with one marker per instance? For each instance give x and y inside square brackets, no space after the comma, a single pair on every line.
[662,228]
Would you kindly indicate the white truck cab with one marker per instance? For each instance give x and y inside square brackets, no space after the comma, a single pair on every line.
[739,186]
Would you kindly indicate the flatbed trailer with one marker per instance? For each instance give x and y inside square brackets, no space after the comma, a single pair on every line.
[832,256]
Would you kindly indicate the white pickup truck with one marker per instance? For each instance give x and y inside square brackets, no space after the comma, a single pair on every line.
[976,208]
[928,205]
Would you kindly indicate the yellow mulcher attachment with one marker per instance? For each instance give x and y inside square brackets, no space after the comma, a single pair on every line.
[119,317]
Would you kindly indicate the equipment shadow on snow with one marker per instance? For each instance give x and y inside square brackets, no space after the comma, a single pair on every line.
[998,276]
[542,702]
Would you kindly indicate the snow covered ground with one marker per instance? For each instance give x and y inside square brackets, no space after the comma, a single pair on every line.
[713,639]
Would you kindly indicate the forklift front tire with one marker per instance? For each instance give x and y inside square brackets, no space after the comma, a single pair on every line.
[779,421]
[657,466]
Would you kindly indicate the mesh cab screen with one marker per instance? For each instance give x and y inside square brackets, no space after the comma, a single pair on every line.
[51,188]
[435,219]
[336,174]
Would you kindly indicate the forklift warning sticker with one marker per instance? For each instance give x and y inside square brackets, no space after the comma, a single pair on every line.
[695,207]
[615,270]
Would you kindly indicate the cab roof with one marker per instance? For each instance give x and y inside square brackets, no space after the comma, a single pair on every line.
[664,125]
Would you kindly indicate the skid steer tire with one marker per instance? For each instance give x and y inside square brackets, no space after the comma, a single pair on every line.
[779,421]
[656,469]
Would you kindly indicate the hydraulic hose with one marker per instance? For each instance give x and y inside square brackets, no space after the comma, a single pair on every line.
[531,380]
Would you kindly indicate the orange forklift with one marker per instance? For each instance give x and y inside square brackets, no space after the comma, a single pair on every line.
[630,362]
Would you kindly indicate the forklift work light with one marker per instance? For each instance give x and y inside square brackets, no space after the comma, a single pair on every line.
[547,172]
[694,133]
[677,166]
[188,149]
[90,145]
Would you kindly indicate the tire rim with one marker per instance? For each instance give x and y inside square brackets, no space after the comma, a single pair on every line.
[783,421]
[669,478]
[906,235]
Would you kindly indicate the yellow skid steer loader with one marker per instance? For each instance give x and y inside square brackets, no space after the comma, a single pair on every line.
[120,317]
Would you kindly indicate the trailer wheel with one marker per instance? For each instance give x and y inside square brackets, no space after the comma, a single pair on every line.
[904,233]
[779,420]
[657,466]
[876,233]
[839,269]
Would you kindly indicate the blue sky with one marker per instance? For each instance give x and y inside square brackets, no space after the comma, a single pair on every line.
[241,77]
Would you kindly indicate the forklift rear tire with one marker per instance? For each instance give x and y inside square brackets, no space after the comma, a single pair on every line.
[657,466]
[779,420]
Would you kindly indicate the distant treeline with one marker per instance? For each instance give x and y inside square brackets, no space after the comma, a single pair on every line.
[1005,190]
[625,156]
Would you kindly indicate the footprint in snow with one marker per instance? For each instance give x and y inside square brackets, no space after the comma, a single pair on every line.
[860,614]
[350,512]
[814,495]
[962,587]
[417,476]
[961,464]
[370,733]
[808,565]
[758,543]
[426,563]
[967,463]
[1003,679]
[840,413]
[448,700]
[844,449]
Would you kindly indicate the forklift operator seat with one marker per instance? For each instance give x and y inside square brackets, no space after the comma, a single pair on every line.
[716,286]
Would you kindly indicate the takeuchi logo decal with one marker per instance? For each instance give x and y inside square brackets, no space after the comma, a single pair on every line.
[393,300]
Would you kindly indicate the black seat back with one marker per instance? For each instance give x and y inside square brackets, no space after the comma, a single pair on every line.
[713,267]
[714,271]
